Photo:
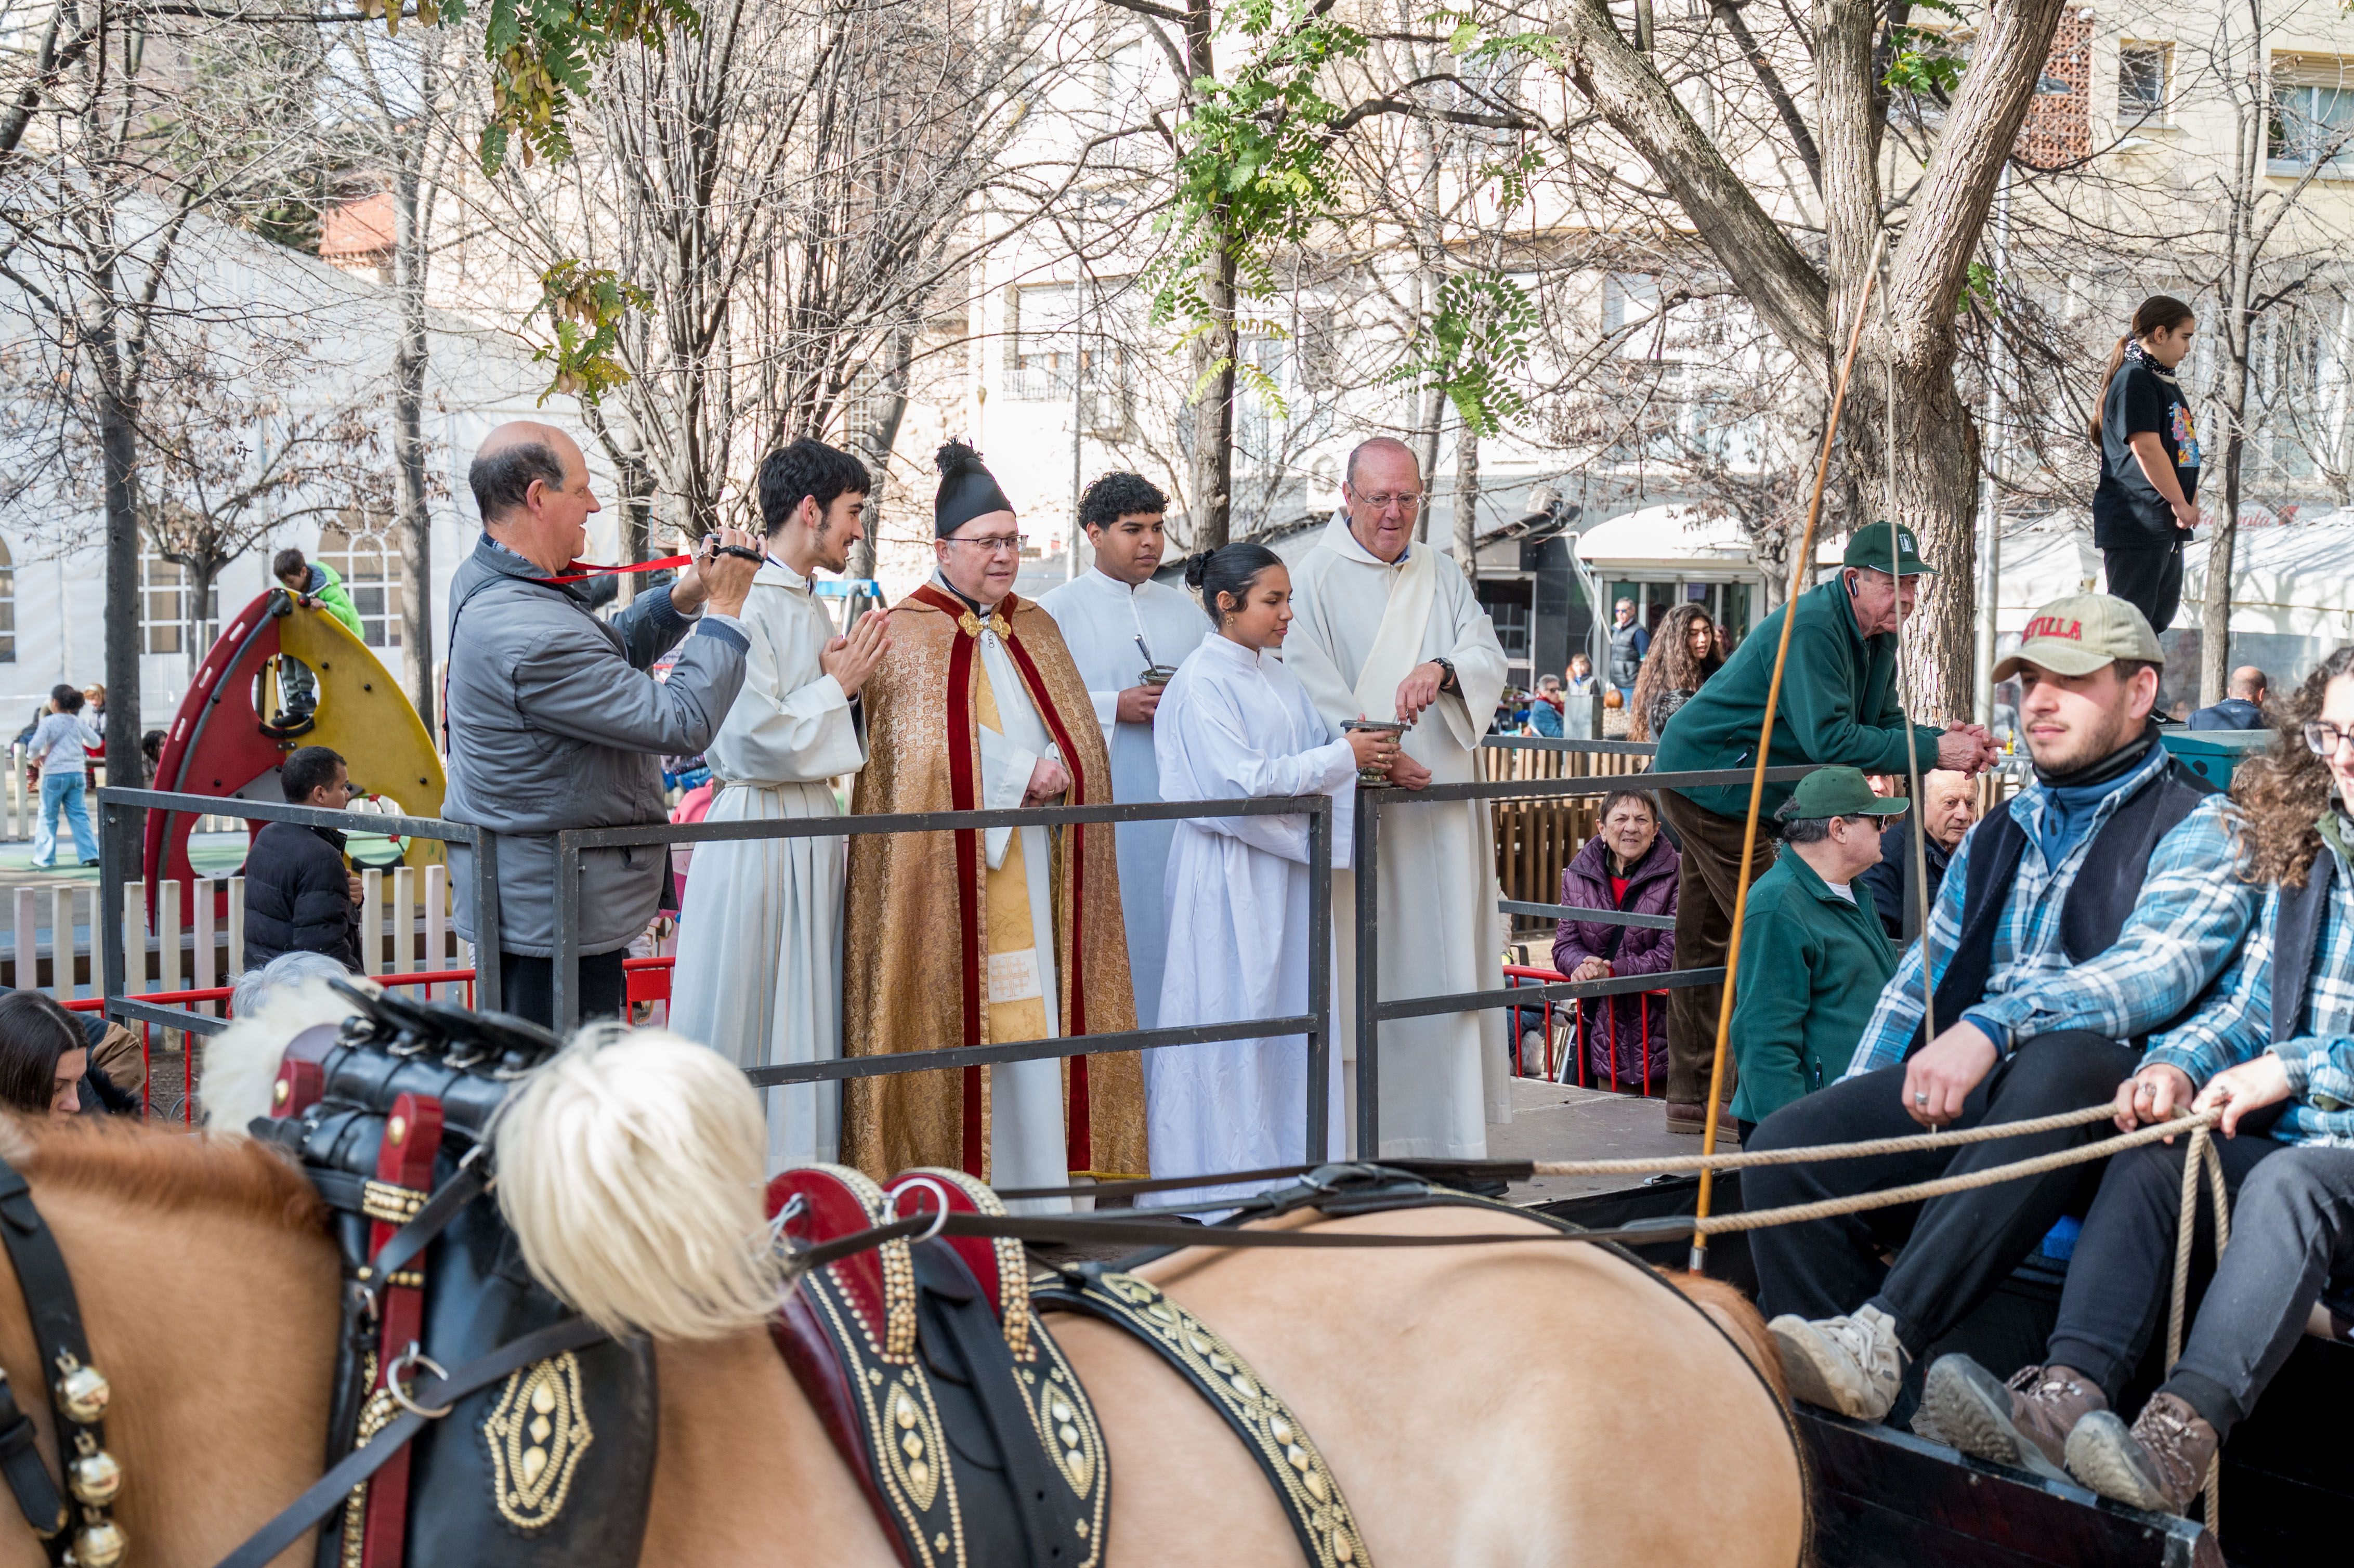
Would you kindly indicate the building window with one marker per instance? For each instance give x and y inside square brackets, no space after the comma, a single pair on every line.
[2141,83]
[167,606]
[369,562]
[7,605]
[2312,118]
[1045,345]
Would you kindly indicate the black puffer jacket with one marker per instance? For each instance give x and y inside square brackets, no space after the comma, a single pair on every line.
[298,897]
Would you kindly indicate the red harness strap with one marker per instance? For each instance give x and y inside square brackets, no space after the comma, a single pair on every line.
[404,1169]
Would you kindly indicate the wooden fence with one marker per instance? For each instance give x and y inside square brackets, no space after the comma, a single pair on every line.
[1535,839]
[198,942]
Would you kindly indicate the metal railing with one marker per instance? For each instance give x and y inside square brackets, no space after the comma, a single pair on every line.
[1314,1024]
[122,837]
[123,813]
[1372,1011]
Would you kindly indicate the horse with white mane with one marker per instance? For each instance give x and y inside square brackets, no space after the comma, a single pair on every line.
[1553,1404]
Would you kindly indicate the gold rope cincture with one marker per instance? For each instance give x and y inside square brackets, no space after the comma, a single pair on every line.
[1798,567]
[1904,670]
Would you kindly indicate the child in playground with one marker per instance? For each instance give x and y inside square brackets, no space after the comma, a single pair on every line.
[316,586]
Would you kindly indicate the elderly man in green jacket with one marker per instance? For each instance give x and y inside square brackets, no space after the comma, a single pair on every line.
[1838,705]
[1813,953]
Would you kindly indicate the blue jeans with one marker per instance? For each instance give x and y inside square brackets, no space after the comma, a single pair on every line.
[62,791]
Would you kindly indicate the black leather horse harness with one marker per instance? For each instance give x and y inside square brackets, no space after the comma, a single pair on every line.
[918,1340]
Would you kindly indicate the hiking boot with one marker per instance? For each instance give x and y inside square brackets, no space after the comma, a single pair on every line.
[2024,1423]
[1853,1365]
[2160,1466]
[1692,1118]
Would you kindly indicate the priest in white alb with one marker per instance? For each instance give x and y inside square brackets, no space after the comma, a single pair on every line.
[1127,634]
[1389,629]
[759,947]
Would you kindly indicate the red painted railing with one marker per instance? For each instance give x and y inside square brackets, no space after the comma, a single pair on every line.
[1556,1073]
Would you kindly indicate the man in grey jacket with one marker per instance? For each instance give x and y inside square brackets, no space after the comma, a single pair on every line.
[551,720]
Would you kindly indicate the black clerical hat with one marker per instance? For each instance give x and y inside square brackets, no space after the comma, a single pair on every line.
[968,490]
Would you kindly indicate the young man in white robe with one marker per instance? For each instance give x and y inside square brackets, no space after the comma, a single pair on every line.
[1388,628]
[1127,634]
[759,947]
[1236,722]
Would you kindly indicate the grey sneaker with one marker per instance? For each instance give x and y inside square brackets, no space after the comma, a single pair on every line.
[2024,1423]
[1853,1364]
[2160,1465]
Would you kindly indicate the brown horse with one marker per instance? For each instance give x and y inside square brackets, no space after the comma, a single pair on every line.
[1549,1404]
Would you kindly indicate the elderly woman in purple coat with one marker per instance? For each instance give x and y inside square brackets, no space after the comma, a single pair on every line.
[1630,867]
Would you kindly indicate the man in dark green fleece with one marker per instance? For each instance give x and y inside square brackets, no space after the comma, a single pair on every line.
[1813,954]
[1838,705]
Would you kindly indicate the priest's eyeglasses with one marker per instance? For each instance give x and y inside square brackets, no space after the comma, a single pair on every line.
[2325,738]
[1407,502]
[997,544]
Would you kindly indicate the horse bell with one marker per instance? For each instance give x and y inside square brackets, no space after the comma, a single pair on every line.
[83,1394]
[100,1544]
[95,1477]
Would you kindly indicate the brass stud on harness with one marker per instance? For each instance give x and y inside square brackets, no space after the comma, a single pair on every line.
[82,1391]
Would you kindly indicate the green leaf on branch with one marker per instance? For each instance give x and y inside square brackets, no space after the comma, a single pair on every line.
[586,306]
[1979,288]
[1474,342]
[540,53]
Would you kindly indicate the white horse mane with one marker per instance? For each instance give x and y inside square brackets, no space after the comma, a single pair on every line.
[630,1167]
[238,1066]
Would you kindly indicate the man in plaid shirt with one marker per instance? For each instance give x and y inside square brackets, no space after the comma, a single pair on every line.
[2096,909]
[2291,1066]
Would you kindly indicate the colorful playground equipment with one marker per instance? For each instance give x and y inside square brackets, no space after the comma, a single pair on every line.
[280,676]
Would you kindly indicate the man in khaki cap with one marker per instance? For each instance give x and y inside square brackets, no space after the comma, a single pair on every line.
[2092,910]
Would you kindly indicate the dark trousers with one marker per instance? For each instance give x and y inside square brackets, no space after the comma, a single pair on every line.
[527,986]
[2292,1229]
[2148,578]
[2121,1276]
[1956,1248]
[1710,870]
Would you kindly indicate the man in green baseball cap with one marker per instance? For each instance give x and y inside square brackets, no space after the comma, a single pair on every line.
[1838,705]
[1813,954]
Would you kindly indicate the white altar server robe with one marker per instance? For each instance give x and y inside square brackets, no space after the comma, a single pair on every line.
[1237,723]
[759,947]
[1363,624]
[1101,621]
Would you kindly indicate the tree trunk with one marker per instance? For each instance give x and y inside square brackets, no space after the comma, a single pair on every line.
[2223,521]
[879,437]
[415,519]
[1212,483]
[1467,502]
[126,765]
[1214,408]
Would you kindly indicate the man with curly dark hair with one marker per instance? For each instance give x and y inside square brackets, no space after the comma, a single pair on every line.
[2274,1050]
[1128,634]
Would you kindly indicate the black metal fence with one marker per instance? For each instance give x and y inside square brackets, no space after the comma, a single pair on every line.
[122,816]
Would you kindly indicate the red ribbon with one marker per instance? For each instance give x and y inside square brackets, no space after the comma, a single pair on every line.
[583,570]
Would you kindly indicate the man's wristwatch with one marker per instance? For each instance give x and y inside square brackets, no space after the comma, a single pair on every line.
[1446,681]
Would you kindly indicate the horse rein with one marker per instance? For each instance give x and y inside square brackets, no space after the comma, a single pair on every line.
[77,1399]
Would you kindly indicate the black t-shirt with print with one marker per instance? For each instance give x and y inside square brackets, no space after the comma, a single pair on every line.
[2128,510]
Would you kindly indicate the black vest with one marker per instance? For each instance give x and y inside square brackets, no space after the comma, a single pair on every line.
[2296,941]
[2106,888]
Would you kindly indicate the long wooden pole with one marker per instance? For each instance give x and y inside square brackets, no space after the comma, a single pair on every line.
[1803,562]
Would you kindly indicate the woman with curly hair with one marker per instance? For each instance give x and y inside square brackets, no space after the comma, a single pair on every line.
[1683,654]
[2273,1050]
